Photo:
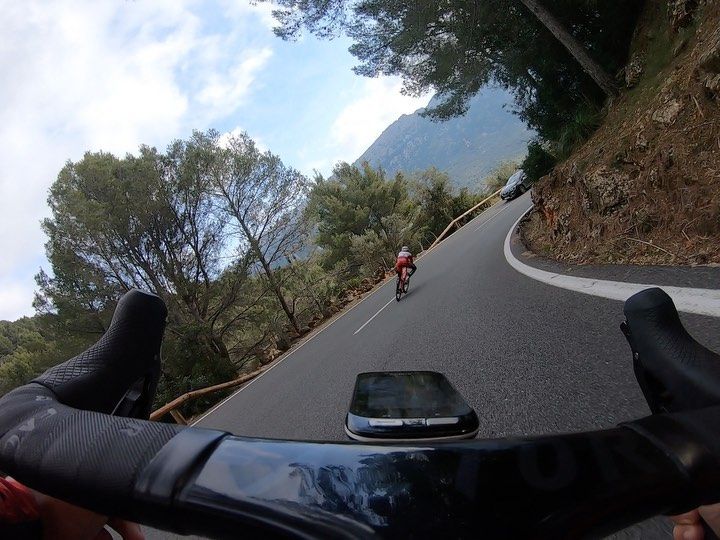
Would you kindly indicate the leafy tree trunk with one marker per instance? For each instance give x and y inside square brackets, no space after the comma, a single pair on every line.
[260,199]
[576,49]
[218,345]
[309,288]
[274,285]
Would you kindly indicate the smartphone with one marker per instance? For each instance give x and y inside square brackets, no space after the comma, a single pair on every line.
[408,406]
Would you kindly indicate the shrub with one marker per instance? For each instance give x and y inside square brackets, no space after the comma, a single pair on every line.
[538,162]
[498,177]
[575,132]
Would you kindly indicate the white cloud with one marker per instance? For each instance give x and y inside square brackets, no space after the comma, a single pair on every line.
[223,94]
[364,119]
[241,10]
[14,300]
[83,75]
[80,75]
[236,132]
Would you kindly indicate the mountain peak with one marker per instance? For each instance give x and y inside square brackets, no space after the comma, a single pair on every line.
[467,148]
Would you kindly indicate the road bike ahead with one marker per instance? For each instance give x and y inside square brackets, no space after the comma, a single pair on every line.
[403,284]
[75,433]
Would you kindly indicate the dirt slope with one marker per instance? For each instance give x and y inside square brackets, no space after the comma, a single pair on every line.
[645,189]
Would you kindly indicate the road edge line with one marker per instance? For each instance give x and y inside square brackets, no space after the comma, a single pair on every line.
[371,318]
[328,323]
[687,299]
[317,331]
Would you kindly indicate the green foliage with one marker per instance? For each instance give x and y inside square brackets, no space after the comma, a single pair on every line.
[313,289]
[465,200]
[438,203]
[456,47]
[362,218]
[6,346]
[31,345]
[157,221]
[16,370]
[213,227]
[20,342]
[370,253]
[354,203]
[143,222]
[538,161]
[577,130]
[434,196]
[260,198]
[499,177]
[375,251]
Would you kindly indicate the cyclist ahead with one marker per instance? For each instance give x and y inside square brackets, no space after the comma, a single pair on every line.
[405,260]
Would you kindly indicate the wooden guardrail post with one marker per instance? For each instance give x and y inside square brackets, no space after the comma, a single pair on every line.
[178,417]
[172,407]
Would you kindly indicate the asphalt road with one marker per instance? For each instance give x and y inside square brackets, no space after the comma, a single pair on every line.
[529,357]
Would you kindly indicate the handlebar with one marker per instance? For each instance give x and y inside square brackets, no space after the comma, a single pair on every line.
[193,480]
[675,372]
[119,374]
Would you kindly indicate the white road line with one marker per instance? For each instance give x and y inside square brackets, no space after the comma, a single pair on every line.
[319,331]
[496,214]
[290,352]
[371,318]
[687,299]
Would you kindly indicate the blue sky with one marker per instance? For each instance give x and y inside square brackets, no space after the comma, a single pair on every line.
[111,75]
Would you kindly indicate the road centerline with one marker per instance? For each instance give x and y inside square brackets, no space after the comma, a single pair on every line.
[488,220]
[328,324]
[371,318]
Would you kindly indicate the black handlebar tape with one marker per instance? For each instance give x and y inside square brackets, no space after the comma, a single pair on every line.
[675,372]
[138,469]
[690,439]
[83,457]
[127,356]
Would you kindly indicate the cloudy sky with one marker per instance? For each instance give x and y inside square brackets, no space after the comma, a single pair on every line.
[81,75]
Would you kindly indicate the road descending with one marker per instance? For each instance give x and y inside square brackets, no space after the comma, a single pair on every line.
[529,357]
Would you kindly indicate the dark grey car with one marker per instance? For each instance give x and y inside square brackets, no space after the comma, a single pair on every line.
[516,185]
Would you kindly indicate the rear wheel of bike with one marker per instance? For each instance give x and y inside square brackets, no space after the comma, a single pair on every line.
[398,289]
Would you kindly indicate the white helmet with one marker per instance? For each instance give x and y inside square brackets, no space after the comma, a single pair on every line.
[405,248]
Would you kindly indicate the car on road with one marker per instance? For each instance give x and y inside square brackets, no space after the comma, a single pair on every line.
[516,185]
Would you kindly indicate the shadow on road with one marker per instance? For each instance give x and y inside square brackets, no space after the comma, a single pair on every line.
[413,289]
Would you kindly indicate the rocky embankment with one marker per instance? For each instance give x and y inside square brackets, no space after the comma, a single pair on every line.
[645,188]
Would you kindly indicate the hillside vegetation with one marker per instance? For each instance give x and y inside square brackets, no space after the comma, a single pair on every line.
[645,187]
[247,253]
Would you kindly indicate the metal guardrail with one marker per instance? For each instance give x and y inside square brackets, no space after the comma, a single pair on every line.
[172,407]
